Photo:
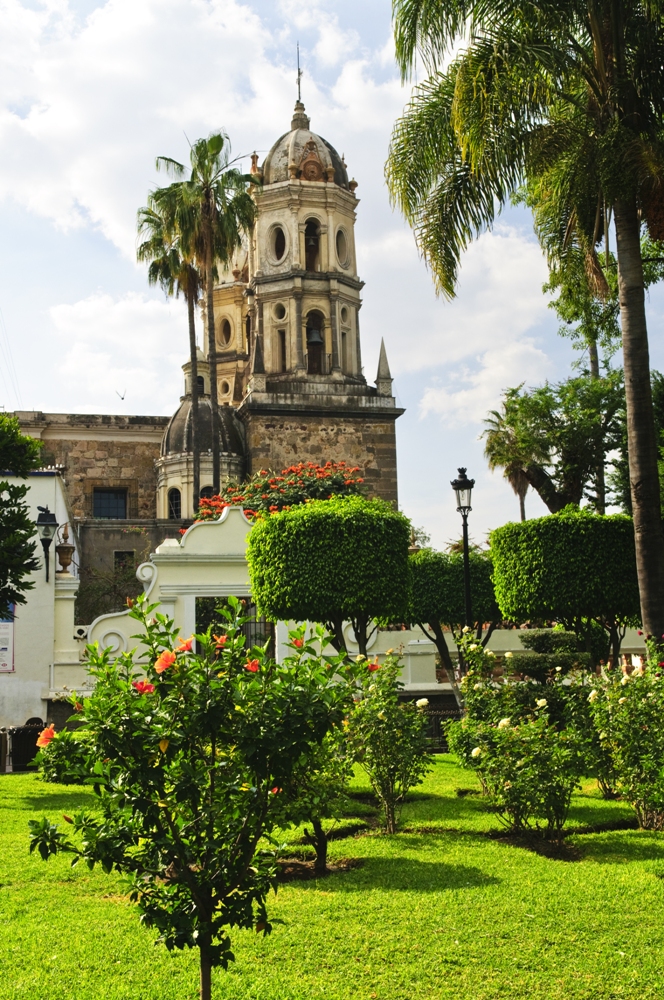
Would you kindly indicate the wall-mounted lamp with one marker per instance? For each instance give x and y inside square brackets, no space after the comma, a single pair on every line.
[47,526]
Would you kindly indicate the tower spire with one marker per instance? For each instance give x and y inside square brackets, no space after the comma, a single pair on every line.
[383,376]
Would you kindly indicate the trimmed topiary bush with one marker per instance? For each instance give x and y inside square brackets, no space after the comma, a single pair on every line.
[331,561]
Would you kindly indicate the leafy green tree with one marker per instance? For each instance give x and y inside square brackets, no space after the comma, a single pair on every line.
[568,95]
[210,211]
[331,561]
[176,273]
[389,737]
[574,567]
[437,599]
[19,455]
[188,765]
[557,436]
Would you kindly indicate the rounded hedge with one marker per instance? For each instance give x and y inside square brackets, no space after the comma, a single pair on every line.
[339,558]
[568,566]
[437,588]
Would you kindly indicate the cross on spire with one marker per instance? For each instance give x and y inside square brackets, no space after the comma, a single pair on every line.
[299,73]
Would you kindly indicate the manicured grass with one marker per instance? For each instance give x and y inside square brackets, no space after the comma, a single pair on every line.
[446,913]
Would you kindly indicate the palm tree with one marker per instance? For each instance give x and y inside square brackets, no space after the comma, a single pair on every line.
[570,93]
[211,211]
[175,272]
[497,451]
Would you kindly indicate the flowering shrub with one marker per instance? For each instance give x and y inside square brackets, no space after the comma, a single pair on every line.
[63,758]
[189,774]
[629,716]
[388,736]
[530,769]
[265,492]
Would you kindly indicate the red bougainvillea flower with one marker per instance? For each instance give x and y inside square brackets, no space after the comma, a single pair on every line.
[299,643]
[252,665]
[373,666]
[220,641]
[185,645]
[275,790]
[639,632]
[661,663]
[166,660]
[143,687]
[46,736]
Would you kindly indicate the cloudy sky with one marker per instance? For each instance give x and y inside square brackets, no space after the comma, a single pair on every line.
[91,92]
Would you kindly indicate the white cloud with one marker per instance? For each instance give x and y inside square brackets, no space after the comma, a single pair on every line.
[472,391]
[132,346]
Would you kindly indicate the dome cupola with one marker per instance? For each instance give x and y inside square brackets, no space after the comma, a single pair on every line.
[303,155]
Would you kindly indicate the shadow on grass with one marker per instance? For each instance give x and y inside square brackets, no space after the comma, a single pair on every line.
[51,801]
[618,848]
[447,809]
[410,875]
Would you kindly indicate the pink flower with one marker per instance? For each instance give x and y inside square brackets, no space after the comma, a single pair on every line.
[166,660]
[143,687]
[252,665]
[185,645]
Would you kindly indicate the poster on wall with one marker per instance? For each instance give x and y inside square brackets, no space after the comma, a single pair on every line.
[7,641]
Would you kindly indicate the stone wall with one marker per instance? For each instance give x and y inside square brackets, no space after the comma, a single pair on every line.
[276,440]
[101,451]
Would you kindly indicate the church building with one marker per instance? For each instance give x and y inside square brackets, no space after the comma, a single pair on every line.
[291,385]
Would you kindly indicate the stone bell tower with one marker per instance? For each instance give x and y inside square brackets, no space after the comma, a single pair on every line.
[287,321]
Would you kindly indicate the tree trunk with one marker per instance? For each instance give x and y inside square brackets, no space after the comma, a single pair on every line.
[212,355]
[318,840]
[600,482]
[641,437]
[522,506]
[445,658]
[195,445]
[206,977]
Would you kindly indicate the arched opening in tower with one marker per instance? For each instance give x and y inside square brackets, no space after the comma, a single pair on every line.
[315,343]
[312,245]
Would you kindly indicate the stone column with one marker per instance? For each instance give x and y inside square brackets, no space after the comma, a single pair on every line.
[299,353]
[334,322]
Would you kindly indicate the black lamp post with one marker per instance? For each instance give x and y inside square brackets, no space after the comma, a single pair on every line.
[463,487]
[46,527]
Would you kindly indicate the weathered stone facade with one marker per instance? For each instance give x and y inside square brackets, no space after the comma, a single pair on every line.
[101,451]
[278,439]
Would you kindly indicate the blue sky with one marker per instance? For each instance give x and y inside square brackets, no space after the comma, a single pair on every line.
[92,92]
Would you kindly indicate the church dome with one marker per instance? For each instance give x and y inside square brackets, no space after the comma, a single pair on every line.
[177,437]
[303,155]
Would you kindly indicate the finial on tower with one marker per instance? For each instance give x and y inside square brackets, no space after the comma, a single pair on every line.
[383,376]
[299,75]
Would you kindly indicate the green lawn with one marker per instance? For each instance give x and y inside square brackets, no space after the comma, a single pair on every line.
[442,911]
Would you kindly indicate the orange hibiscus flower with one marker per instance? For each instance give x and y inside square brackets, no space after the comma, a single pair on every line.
[46,736]
[166,660]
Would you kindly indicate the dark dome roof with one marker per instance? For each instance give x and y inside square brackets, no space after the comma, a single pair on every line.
[177,437]
[292,147]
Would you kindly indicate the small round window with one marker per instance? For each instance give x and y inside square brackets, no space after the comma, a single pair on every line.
[278,242]
[225,332]
[279,310]
[344,314]
[342,248]
[225,388]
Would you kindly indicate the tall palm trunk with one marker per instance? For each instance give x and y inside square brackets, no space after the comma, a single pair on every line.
[600,480]
[641,437]
[195,444]
[212,356]
[522,506]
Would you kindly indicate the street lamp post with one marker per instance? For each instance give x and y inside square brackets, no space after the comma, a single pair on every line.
[463,488]
[47,526]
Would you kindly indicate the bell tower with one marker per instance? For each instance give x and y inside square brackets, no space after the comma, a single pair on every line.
[287,321]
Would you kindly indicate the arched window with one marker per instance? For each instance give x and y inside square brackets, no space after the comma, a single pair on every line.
[225,333]
[200,384]
[206,492]
[174,504]
[315,343]
[312,245]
